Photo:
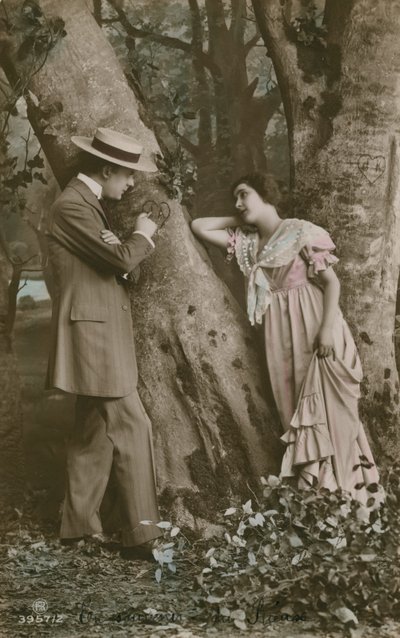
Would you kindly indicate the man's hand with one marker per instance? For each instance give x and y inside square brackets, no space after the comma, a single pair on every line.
[145,225]
[108,237]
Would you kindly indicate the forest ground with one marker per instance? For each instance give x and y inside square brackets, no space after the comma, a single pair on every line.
[85,588]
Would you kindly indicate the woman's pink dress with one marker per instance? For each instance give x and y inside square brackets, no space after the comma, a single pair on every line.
[317,398]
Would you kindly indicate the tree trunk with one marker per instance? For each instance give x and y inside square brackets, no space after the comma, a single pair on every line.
[340,93]
[200,375]
[11,457]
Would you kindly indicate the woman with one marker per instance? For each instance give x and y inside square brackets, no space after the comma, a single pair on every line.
[312,359]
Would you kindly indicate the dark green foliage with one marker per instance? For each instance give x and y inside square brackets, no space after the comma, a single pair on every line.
[40,34]
[312,555]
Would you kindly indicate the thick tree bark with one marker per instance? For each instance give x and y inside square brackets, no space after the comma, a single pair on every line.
[11,457]
[200,376]
[341,101]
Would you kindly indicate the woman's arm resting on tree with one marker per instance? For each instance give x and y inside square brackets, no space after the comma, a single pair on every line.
[331,286]
[213,229]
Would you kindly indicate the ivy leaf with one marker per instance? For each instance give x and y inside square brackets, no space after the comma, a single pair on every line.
[252,558]
[373,487]
[164,524]
[345,615]
[273,481]
[238,614]
[214,599]
[247,507]
[294,539]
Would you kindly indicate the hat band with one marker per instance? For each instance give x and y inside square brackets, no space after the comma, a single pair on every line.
[116,153]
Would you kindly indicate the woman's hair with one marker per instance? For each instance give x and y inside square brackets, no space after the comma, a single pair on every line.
[265,184]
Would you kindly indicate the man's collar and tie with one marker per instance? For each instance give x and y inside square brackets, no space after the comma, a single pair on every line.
[91,183]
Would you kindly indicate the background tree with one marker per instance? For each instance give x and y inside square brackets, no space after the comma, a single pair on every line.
[14,260]
[338,69]
[197,66]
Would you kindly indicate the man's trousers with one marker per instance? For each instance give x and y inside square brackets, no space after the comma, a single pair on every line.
[111,433]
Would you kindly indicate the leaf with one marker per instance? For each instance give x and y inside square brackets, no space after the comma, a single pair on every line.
[271,513]
[239,541]
[268,550]
[252,558]
[158,575]
[210,552]
[238,614]
[294,540]
[373,487]
[240,624]
[214,599]
[345,615]
[367,558]
[230,511]
[247,507]
[36,162]
[172,567]
[175,531]
[260,518]
[40,177]
[273,481]
[164,524]
[299,557]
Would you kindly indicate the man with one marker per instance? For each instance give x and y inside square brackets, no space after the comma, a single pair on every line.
[92,350]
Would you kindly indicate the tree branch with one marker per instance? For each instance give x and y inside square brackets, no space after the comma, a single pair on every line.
[271,23]
[165,40]
[251,43]
[238,10]
[205,125]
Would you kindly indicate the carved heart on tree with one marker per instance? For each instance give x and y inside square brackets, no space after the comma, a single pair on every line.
[372,166]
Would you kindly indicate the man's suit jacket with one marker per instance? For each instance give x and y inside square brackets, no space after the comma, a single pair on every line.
[91,348]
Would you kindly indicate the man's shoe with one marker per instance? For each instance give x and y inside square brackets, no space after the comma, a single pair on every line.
[139,552]
[94,540]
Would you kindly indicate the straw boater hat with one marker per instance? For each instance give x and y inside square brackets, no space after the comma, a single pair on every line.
[117,148]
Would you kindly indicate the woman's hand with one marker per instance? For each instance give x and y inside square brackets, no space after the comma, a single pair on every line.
[325,343]
[108,237]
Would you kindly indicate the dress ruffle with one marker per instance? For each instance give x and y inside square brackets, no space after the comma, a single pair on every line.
[311,454]
[320,260]
[308,440]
